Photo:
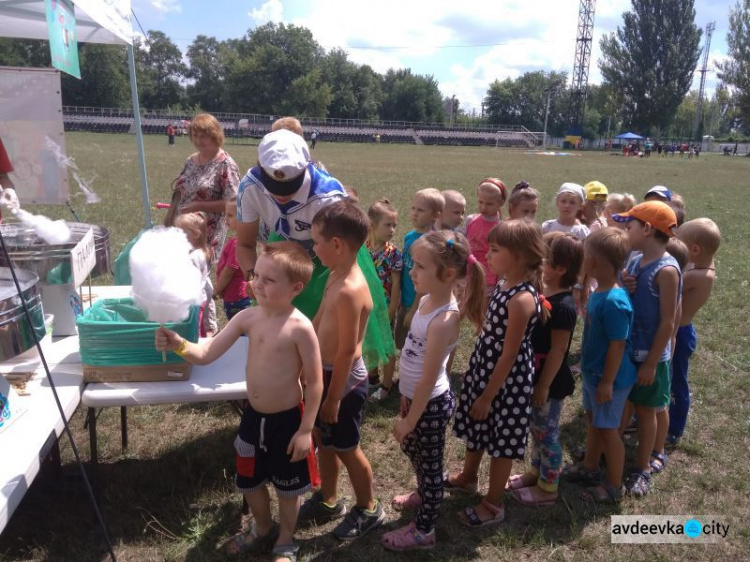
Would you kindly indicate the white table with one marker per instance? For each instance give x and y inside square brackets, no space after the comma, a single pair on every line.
[221,381]
[33,436]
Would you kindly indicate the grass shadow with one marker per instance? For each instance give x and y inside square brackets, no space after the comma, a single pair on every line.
[160,499]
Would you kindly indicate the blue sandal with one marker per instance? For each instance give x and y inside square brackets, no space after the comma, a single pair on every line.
[658,462]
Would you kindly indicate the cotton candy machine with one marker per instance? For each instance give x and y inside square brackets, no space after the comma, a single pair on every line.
[52,265]
[16,335]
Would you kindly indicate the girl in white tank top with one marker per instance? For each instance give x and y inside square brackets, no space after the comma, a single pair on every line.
[441,258]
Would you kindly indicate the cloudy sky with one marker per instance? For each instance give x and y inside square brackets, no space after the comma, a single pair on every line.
[465,45]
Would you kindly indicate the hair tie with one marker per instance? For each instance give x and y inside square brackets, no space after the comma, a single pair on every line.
[544,302]
[497,183]
[472,259]
[449,243]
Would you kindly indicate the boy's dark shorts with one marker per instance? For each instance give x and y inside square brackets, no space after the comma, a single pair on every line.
[261,445]
[344,435]
[656,395]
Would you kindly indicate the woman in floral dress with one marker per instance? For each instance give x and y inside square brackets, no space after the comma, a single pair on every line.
[209,178]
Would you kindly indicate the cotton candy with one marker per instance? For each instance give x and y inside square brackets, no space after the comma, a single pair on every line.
[52,232]
[165,281]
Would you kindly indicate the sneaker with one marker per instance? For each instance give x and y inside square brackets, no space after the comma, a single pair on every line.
[671,443]
[380,394]
[358,522]
[315,510]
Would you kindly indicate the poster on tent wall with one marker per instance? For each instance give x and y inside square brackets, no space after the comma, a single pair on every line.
[31,126]
[61,27]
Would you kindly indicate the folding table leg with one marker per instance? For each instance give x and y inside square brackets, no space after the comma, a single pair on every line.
[94,455]
[124,426]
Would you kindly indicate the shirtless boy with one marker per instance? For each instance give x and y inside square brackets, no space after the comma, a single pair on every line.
[702,238]
[274,442]
[338,232]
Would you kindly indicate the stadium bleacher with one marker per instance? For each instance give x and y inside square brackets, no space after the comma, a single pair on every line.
[243,127]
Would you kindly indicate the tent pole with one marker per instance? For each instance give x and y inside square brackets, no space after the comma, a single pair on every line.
[139,138]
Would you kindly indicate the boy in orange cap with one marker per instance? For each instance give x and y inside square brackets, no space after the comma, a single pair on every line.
[650,225]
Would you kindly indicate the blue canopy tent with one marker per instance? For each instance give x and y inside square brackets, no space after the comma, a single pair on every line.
[629,136]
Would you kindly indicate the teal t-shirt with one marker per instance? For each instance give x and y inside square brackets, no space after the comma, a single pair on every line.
[408,293]
[609,317]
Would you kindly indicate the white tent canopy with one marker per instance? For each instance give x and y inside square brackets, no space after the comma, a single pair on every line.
[97,21]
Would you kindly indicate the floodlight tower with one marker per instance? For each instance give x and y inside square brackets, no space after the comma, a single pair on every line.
[698,128]
[579,87]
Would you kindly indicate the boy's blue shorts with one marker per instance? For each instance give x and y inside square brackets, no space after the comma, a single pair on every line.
[609,414]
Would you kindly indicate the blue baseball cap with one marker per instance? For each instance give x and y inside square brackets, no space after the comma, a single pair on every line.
[661,192]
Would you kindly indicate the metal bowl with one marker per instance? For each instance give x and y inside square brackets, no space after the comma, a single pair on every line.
[16,334]
[50,262]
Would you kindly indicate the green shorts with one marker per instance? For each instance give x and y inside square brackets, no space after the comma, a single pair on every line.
[656,394]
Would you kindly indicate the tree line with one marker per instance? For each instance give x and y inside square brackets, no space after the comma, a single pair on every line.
[648,66]
[274,69]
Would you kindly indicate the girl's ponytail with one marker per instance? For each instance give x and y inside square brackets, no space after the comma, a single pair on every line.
[452,250]
[536,280]
[474,302]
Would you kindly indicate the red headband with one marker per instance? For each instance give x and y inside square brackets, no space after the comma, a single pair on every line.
[497,183]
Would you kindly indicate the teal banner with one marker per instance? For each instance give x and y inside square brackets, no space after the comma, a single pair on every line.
[61,28]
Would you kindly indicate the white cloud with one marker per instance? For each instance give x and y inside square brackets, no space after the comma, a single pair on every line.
[271,10]
[166,6]
[518,36]
[522,39]
[141,38]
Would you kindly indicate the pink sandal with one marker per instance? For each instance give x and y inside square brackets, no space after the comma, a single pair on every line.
[408,538]
[528,497]
[470,517]
[516,482]
[407,501]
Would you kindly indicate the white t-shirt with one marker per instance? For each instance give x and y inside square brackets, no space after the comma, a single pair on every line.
[580,231]
[198,257]
[412,355]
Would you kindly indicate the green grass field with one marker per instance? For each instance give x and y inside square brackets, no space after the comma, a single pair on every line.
[170,496]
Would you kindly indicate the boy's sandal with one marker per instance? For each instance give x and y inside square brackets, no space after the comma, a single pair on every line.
[639,483]
[516,482]
[470,517]
[528,497]
[658,462]
[251,541]
[460,483]
[577,473]
[407,501]
[285,552]
[602,493]
[408,538]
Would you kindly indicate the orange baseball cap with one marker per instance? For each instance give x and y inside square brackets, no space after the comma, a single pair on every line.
[656,213]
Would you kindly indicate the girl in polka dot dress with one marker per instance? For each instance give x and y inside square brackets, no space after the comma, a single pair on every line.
[494,407]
